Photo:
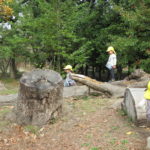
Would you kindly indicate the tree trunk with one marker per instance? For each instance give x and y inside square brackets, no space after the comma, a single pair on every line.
[137,79]
[134,105]
[93,72]
[40,97]
[99,72]
[86,70]
[119,72]
[104,87]
[13,68]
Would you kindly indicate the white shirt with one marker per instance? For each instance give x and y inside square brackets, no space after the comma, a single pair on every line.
[112,61]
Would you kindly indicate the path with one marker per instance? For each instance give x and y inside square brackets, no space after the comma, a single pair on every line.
[87,124]
[8,99]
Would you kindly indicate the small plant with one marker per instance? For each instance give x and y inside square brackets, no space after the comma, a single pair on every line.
[95,94]
[121,112]
[85,144]
[115,127]
[4,124]
[89,136]
[53,120]
[85,98]
[32,129]
[94,148]
[124,141]
[4,111]
[113,141]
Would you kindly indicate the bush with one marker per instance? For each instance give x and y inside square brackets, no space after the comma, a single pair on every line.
[145,65]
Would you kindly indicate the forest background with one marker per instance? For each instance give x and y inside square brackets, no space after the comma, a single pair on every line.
[54,33]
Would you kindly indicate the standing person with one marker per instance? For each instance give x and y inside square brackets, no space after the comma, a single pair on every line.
[147,97]
[69,81]
[111,63]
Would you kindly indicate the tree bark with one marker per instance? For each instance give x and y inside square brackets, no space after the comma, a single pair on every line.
[13,68]
[137,79]
[40,97]
[104,87]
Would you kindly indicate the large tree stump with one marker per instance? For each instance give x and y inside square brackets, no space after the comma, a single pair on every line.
[40,97]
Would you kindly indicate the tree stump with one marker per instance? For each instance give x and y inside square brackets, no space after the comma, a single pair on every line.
[40,97]
[134,106]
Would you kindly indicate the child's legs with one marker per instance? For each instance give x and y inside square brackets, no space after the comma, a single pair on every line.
[148,111]
[66,84]
[112,73]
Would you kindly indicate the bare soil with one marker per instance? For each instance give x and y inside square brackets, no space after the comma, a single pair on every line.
[88,123]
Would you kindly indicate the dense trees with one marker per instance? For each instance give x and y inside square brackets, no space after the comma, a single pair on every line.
[77,32]
[6,12]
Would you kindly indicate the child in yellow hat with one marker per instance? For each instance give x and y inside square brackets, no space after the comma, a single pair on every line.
[111,63]
[147,97]
[69,81]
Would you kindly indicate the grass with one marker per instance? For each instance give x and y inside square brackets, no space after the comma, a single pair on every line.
[32,129]
[95,148]
[89,104]
[115,127]
[113,141]
[85,145]
[11,86]
[4,110]
[7,91]
[81,106]
[121,112]
[124,141]
[4,123]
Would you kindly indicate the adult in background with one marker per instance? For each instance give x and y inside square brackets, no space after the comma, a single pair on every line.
[69,81]
[111,63]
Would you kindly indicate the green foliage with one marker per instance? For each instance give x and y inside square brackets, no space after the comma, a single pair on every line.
[94,148]
[32,129]
[145,65]
[4,111]
[56,33]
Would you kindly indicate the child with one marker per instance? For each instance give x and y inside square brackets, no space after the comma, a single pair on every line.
[111,63]
[147,97]
[69,81]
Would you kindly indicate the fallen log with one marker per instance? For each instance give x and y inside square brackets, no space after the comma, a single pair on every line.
[104,87]
[138,75]
[138,79]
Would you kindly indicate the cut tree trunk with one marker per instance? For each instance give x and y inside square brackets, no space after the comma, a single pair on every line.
[104,87]
[134,105]
[40,97]
[137,79]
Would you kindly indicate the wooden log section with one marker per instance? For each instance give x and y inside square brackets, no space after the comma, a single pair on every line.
[40,97]
[104,87]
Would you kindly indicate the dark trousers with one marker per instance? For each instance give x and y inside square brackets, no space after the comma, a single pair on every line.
[111,74]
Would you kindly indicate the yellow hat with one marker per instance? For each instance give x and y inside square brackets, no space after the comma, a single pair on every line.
[68,67]
[110,48]
[147,92]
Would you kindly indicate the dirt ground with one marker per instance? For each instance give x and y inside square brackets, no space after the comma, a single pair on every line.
[88,123]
